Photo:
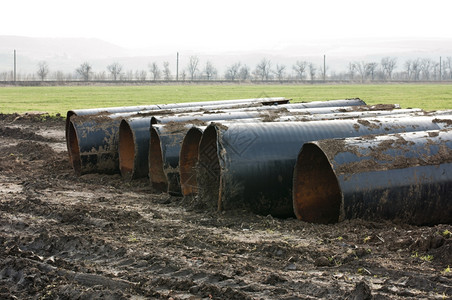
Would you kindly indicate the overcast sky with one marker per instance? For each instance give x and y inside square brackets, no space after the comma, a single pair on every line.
[202,25]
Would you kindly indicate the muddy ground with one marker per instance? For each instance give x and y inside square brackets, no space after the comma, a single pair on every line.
[99,237]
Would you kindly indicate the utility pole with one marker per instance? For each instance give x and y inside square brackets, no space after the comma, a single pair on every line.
[14,65]
[440,70]
[324,67]
[177,67]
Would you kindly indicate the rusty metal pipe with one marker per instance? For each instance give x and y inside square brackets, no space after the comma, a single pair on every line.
[251,166]
[164,152]
[186,106]
[141,140]
[166,140]
[405,177]
[190,144]
[92,140]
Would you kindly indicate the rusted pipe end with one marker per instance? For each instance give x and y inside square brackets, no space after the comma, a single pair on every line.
[209,172]
[317,196]
[73,148]
[156,174]
[126,149]
[188,160]
[69,114]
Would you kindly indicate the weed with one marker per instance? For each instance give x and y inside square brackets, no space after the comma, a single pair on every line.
[426,257]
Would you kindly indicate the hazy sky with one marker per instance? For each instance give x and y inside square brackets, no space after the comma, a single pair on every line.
[202,25]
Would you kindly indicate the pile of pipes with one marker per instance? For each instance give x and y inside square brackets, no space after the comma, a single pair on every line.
[322,162]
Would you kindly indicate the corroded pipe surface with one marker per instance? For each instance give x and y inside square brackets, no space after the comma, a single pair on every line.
[92,135]
[178,121]
[190,144]
[405,177]
[187,106]
[251,165]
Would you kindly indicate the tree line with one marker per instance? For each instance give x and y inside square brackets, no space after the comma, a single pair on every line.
[387,69]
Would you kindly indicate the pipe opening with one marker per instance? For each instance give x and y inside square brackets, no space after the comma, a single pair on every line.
[73,148]
[126,149]
[209,169]
[188,161]
[156,173]
[69,114]
[317,196]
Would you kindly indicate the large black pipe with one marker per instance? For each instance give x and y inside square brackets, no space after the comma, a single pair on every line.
[405,177]
[190,143]
[252,165]
[92,139]
[137,129]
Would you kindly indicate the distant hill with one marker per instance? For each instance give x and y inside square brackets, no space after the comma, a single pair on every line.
[66,54]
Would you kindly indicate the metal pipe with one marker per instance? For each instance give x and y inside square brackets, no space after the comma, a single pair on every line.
[141,140]
[170,106]
[164,148]
[92,140]
[405,177]
[190,144]
[252,165]
[164,152]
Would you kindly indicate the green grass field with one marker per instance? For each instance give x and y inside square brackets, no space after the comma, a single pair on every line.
[61,99]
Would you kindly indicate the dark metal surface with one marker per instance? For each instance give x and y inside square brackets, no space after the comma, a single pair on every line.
[252,165]
[405,177]
[92,140]
[164,148]
[190,144]
[133,147]
[187,106]
[170,137]
[141,141]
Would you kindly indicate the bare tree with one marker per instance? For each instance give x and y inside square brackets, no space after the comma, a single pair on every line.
[388,65]
[43,70]
[416,68]
[232,72]
[371,68]
[141,75]
[155,71]
[166,71]
[361,69]
[244,73]
[85,71]
[115,70]
[58,75]
[193,66]
[426,68]
[312,69]
[263,69]
[210,70]
[300,68]
[448,64]
[100,76]
[280,72]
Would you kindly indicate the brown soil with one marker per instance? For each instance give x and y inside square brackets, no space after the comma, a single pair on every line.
[97,236]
